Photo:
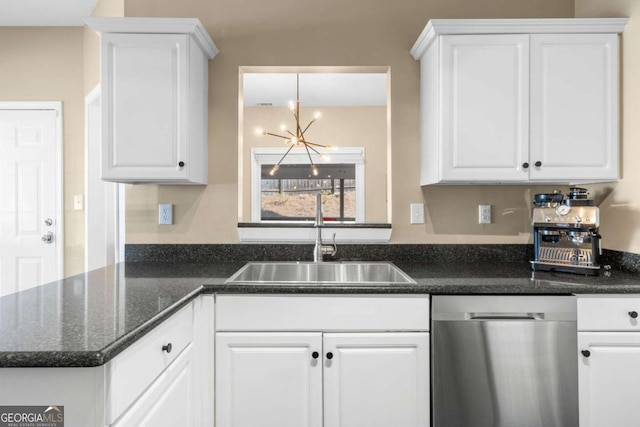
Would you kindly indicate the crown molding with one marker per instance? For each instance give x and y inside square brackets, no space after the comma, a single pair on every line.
[191,26]
[437,27]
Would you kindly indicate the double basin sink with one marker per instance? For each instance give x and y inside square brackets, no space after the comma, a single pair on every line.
[324,273]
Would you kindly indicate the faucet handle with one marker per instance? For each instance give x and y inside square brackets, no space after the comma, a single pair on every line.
[332,249]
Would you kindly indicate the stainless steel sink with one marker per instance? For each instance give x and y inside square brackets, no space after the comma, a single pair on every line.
[338,273]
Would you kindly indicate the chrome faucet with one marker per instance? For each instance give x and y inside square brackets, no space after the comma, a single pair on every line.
[319,250]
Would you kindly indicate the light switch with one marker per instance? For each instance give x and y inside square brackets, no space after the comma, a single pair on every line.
[78,202]
[417,213]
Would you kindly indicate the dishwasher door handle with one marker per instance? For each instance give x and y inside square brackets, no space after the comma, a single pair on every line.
[505,316]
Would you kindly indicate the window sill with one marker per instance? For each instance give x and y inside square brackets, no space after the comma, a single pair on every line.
[288,232]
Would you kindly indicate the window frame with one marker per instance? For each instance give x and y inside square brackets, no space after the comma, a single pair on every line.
[297,155]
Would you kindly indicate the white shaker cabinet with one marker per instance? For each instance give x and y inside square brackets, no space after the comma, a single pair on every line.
[609,360]
[322,361]
[154,97]
[269,379]
[519,101]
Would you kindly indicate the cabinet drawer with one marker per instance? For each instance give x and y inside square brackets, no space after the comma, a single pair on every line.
[608,313]
[133,370]
[322,313]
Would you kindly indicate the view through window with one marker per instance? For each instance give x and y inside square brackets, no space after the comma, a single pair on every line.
[290,195]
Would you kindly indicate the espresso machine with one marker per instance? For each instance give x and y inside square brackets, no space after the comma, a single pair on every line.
[565,233]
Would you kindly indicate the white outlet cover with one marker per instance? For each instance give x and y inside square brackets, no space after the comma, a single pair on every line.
[165,214]
[484,214]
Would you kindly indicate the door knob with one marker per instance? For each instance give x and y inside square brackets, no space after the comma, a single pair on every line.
[538,163]
[586,353]
[167,348]
[525,165]
[48,222]
[315,355]
[47,237]
[633,314]
[329,355]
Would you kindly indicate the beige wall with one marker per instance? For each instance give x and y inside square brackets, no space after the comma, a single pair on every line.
[339,127]
[45,64]
[330,32]
[620,208]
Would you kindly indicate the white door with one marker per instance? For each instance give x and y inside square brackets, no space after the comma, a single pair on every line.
[574,106]
[485,107]
[268,379]
[376,380]
[608,378]
[30,198]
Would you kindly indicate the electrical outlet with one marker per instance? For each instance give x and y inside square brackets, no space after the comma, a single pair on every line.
[417,213]
[165,214]
[484,214]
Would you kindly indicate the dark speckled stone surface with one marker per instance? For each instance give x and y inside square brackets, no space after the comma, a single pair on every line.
[87,319]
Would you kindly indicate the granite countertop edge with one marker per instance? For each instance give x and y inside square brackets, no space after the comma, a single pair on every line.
[91,359]
[517,283]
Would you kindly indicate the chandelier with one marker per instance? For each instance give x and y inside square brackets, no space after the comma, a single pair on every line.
[296,139]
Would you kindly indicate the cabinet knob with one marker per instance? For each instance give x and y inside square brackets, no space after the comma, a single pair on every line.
[633,314]
[525,165]
[329,355]
[538,163]
[586,353]
[167,348]
[315,354]
[181,164]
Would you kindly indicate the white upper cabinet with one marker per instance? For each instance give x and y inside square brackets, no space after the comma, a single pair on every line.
[519,101]
[154,84]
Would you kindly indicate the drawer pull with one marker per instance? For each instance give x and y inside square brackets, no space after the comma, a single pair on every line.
[633,314]
[167,348]
[586,353]
[315,354]
[329,355]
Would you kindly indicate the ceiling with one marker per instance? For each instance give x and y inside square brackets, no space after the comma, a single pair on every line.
[316,89]
[45,13]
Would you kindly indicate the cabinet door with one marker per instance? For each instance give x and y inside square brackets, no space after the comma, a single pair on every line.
[574,106]
[609,378]
[485,107]
[169,400]
[268,379]
[144,89]
[376,380]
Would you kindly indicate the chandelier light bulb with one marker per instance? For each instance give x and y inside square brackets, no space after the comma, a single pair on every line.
[283,127]
[317,115]
[274,169]
[260,132]
[314,170]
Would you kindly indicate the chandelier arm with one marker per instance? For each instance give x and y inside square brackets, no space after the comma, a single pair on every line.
[276,135]
[315,145]
[309,125]
[284,155]
[308,153]
[314,150]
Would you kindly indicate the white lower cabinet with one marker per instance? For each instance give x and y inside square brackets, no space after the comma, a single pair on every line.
[376,379]
[285,379]
[169,401]
[145,385]
[358,374]
[609,360]
[268,379]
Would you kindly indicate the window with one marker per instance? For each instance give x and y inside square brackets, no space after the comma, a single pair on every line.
[289,195]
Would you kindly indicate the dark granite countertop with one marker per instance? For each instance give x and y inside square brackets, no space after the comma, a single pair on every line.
[86,320]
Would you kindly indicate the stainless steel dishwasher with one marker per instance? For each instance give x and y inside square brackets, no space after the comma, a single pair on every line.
[504,361]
